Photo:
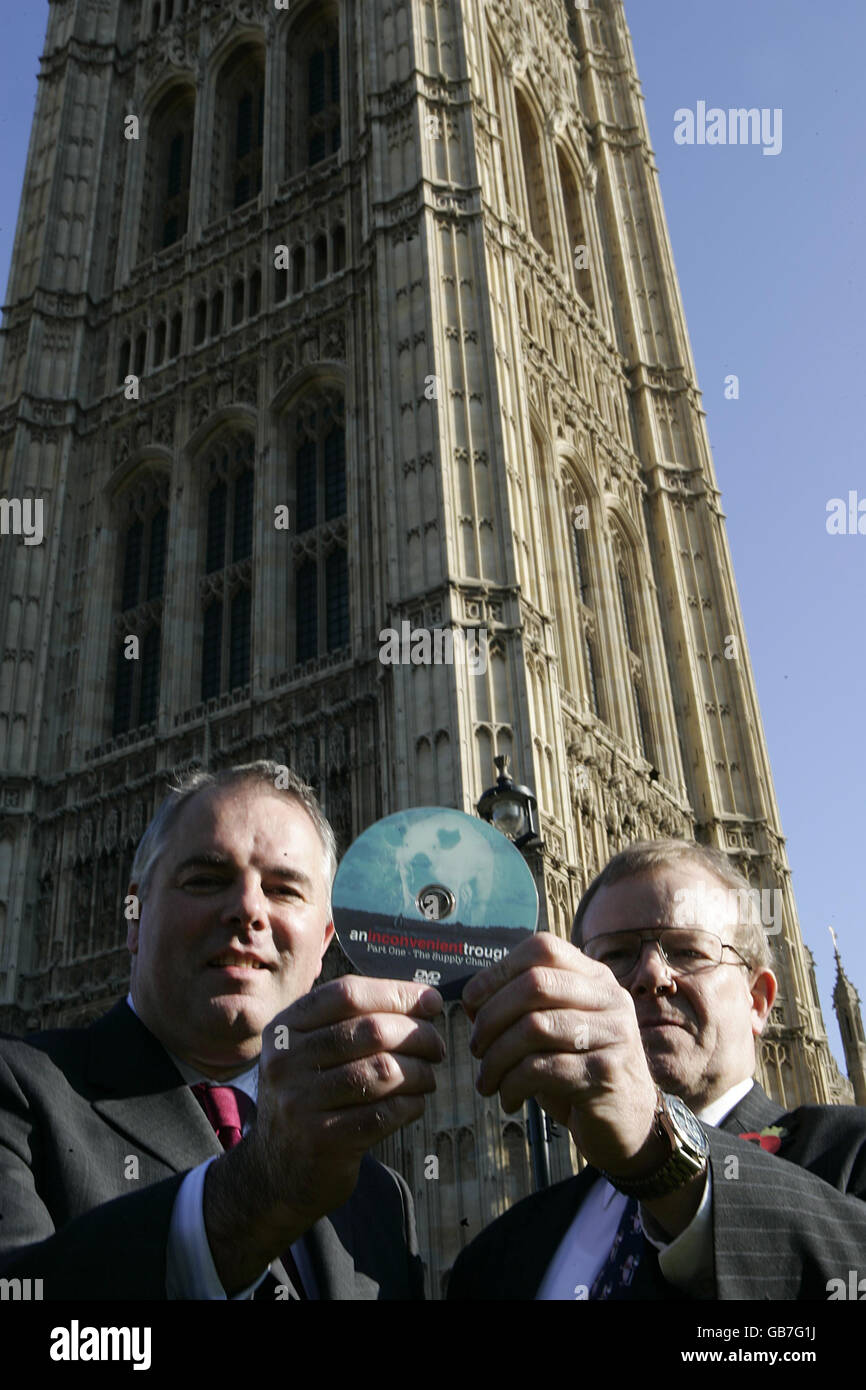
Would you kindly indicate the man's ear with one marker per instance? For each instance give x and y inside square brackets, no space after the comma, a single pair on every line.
[326,941]
[763,989]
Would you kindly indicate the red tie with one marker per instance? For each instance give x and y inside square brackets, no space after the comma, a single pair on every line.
[227,1108]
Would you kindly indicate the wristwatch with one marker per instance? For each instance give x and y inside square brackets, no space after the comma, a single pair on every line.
[688,1156]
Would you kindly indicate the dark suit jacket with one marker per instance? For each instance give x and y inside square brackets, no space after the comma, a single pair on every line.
[785,1225]
[77,1104]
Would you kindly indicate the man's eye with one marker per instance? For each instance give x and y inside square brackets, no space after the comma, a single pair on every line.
[202,881]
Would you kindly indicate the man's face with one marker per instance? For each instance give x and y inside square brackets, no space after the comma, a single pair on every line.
[233,925]
[697,1030]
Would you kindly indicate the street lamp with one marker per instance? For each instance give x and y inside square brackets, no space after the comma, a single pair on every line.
[513,810]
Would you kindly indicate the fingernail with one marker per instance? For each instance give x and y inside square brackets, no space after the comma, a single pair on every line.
[430,1002]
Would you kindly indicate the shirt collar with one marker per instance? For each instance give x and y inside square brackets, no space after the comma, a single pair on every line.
[248,1081]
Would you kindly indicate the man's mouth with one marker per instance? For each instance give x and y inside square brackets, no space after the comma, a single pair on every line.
[236,960]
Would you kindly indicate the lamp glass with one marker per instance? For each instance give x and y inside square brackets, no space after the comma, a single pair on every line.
[509,816]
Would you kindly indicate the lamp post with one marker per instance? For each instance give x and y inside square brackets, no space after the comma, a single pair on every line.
[513,810]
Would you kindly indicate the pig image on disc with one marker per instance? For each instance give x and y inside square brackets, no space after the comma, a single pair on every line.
[432,895]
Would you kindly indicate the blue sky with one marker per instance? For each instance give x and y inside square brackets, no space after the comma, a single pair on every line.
[769,255]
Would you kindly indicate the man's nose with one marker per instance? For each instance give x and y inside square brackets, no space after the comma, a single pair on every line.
[247,903]
[652,974]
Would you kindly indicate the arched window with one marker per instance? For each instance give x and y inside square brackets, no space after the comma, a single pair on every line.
[322,573]
[315,121]
[227,584]
[320,258]
[140,354]
[199,322]
[578,247]
[216,314]
[239,145]
[159,343]
[176,331]
[299,264]
[281,285]
[238,296]
[169,168]
[338,248]
[138,624]
[255,294]
[631,627]
[123,361]
[533,175]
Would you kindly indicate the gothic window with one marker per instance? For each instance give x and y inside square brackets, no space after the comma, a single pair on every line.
[140,354]
[299,259]
[634,643]
[533,175]
[580,603]
[580,561]
[497,103]
[226,588]
[169,168]
[240,124]
[176,331]
[238,296]
[314,113]
[216,314]
[321,570]
[281,285]
[123,365]
[138,624]
[578,247]
[320,258]
[338,248]
[255,294]
[159,343]
[199,322]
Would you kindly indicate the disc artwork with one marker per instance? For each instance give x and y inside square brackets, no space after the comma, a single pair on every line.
[432,895]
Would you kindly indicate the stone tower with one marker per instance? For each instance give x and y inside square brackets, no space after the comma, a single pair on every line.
[322,318]
[846,1002]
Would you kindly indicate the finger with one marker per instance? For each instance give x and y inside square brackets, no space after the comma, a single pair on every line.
[559,1080]
[537,988]
[542,949]
[372,1033]
[562,1031]
[370,1080]
[362,1126]
[353,995]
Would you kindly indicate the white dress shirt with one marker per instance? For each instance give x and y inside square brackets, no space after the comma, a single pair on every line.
[686,1261]
[190,1270]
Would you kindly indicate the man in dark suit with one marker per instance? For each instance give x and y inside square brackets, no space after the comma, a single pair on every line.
[119,1180]
[640,1038]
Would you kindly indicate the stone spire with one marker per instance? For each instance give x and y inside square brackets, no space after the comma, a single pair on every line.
[846,1002]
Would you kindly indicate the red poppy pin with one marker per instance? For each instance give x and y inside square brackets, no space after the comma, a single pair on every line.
[769,1139]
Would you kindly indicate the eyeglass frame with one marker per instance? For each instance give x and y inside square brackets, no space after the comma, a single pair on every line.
[655,934]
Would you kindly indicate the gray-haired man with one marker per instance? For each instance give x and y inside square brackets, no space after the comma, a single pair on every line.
[208,1137]
[640,1038]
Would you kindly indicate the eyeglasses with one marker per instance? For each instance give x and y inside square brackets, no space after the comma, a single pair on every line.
[686,951]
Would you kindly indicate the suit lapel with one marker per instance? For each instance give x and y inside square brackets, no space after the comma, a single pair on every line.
[756,1111]
[531,1243]
[140,1092]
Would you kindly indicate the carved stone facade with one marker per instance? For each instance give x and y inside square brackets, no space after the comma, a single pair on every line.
[476,288]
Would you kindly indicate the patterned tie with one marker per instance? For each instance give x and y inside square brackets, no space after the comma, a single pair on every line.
[615,1277]
[227,1108]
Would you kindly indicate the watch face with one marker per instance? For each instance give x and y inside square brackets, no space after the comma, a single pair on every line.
[686,1123]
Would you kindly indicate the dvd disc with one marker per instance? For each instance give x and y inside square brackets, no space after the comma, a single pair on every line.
[432,895]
